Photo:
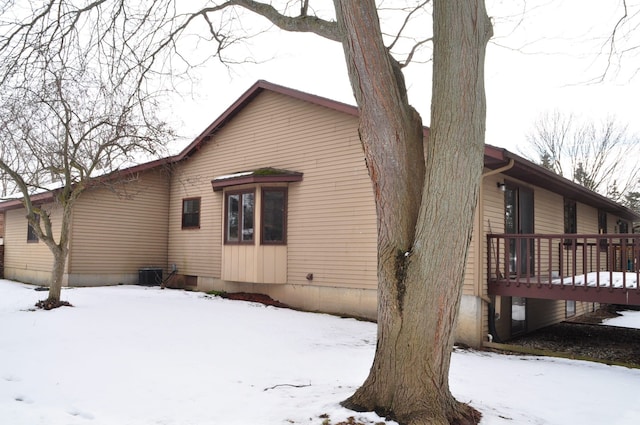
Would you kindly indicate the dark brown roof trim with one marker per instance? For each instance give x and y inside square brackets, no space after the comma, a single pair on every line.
[49,196]
[259,176]
[537,175]
[248,96]
[494,157]
[38,198]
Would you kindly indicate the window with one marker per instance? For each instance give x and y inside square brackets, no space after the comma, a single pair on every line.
[623,226]
[31,234]
[191,213]
[570,216]
[239,216]
[274,215]
[570,308]
[602,222]
[602,229]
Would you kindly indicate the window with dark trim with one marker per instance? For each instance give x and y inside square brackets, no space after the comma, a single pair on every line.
[602,221]
[623,226]
[570,216]
[274,216]
[191,213]
[31,234]
[602,229]
[239,217]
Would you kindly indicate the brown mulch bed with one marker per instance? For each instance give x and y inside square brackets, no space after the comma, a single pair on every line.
[584,337]
[257,298]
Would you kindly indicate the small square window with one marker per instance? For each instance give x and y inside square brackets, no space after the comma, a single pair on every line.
[191,213]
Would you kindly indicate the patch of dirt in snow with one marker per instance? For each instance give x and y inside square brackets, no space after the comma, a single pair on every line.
[584,337]
[50,304]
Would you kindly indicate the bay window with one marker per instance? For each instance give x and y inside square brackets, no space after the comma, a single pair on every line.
[242,224]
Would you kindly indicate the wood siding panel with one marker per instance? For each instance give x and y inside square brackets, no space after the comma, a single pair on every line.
[492,222]
[587,218]
[549,211]
[493,219]
[121,229]
[21,256]
[331,215]
[114,233]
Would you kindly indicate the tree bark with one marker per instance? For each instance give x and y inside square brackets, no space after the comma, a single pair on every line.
[60,250]
[57,274]
[425,202]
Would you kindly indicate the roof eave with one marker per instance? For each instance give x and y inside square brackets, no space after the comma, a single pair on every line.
[537,175]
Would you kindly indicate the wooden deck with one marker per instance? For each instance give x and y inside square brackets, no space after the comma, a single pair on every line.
[603,268]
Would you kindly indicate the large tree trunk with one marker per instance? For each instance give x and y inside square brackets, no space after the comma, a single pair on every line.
[425,204]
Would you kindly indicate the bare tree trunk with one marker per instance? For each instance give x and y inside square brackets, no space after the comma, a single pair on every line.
[59,250]
[57,275]
[425,212]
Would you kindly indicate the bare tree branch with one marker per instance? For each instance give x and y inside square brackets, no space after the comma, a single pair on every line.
[405,22]
[599,156]
[611,41]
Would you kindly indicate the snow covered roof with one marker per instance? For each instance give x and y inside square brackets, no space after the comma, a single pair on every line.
[260,175]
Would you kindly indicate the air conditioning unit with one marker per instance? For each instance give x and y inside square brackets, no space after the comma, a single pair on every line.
[150,276]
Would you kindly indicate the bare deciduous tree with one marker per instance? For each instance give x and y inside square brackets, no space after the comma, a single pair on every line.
[70,110]
[600,157]
[425,190]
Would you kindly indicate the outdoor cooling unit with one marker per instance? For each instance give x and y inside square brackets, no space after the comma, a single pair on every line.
[150,276]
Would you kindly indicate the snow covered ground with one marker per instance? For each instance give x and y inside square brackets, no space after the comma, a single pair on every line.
[132,355]
[629,319]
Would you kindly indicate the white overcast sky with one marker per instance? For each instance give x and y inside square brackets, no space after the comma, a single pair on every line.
[542,57]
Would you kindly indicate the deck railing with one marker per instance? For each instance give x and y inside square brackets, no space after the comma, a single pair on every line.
[565,266]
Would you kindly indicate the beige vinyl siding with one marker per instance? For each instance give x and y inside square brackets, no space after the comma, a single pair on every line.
[489,215]
[549,209]
[196,252]
[471,272]
[587,218]
[118,230]
[612,224]
[548,218]
[493,219]
[543,313]
[492,222]
[27,261]
[331,215]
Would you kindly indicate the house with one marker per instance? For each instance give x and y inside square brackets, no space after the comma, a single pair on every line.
[274,198]
[115,229]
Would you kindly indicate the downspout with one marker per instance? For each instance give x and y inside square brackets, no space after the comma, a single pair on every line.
[480,242]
